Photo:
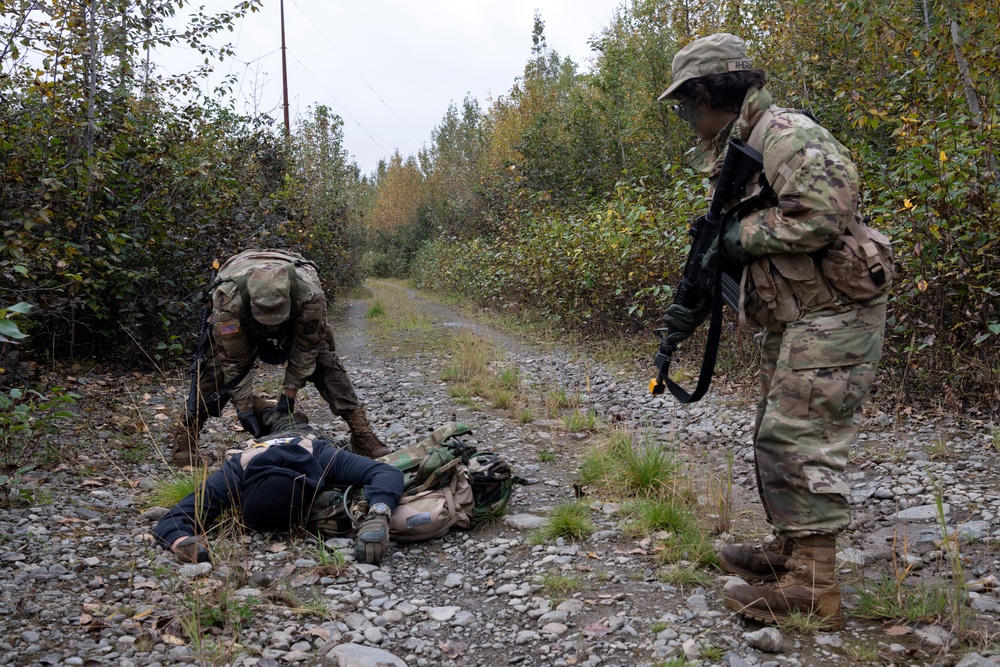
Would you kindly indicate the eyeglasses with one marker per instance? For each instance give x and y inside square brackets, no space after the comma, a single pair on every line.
[682,112]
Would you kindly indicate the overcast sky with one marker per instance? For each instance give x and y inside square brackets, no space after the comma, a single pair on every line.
[390,68]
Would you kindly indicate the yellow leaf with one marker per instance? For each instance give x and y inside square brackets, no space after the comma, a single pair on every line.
[907,203]
[922,285]
[916,54]
[944,158]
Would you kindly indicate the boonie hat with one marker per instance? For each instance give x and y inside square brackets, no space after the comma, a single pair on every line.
[714,54]
[270,301]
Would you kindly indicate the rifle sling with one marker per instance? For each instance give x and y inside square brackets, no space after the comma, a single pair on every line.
[711,345]
[715,323]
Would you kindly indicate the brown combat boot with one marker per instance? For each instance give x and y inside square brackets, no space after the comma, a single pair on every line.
[183,436]
[363,439]
[808,587]
[757,563]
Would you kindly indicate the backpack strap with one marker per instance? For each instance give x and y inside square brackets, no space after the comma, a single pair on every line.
[860,232]
[756,142]
[756,138]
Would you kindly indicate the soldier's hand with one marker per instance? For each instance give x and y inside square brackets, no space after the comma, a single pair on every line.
[250,423]
[732,248]
[191,550]
[372,541]
[682,320]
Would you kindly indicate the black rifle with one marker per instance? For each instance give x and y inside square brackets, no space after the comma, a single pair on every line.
[203,345]
[717,280]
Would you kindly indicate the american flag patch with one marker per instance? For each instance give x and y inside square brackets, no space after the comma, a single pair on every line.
[227,328]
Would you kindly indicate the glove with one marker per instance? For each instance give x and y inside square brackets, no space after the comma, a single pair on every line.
[372,541]
[285,406]
[682,321]
[250,423]
[732,249]
[191,550]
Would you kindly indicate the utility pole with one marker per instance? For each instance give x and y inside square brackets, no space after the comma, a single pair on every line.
[284,68]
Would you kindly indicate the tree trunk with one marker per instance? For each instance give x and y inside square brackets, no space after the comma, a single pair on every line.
[963,71]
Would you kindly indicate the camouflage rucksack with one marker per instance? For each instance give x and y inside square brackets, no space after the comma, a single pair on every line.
[447,484]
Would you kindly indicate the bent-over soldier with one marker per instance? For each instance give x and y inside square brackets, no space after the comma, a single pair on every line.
[267,304]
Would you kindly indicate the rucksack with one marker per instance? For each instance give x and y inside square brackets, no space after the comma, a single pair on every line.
[447,484]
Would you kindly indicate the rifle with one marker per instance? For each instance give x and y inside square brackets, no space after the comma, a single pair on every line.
[716,280]
[203,344]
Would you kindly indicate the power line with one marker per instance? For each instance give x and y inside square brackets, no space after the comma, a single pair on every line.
[374,92]
[341,104]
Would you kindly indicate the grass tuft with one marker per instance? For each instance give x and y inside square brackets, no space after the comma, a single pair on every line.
[571,521]
[559,583]
[170,490]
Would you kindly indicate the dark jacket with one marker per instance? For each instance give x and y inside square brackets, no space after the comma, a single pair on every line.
[337,467]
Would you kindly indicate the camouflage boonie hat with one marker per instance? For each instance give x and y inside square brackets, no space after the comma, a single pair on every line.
[714,54]
[270,301]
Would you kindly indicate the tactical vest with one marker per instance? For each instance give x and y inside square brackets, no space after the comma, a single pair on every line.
[856,267]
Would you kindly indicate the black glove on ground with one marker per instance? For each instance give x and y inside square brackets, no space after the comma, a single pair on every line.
[250,423]
[372,541]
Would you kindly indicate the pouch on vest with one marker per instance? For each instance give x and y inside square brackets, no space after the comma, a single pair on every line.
[860,263]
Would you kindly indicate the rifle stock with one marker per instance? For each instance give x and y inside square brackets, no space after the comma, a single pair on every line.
[700,282]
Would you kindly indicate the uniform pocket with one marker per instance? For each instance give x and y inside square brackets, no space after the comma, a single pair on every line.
[775,291]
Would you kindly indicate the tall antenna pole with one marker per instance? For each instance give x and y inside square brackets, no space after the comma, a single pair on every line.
[284,68]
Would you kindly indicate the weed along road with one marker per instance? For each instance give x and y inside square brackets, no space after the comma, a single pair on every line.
[608,560]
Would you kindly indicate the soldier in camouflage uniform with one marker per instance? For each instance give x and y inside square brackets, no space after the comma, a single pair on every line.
[270,304]
[821,347]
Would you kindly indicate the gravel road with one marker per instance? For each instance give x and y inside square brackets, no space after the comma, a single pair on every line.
[82,582]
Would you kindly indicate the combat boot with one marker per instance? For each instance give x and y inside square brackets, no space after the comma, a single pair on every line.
[808,587]
[363,439]
[184,434]
[757,563]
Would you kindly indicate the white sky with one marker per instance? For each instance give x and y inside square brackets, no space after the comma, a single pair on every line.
[390,68]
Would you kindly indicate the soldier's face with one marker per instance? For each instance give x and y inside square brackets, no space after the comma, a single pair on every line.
[705,121]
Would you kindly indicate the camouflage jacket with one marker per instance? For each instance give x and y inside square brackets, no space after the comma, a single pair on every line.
[816,187]
[237,337]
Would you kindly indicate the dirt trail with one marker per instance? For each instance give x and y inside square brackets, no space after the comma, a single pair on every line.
[83,584]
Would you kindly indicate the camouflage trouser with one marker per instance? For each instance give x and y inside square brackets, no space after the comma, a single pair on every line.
[330,380]
[813,377]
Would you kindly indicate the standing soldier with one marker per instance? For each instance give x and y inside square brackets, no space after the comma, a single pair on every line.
[823,310]
[267,304]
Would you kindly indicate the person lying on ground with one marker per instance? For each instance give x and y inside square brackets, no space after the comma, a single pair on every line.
[272,486]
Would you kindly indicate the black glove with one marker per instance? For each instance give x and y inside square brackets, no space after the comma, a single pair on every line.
[731,246]
[192,551]
[250,423]
[285,406]
[682,321]
[373,540]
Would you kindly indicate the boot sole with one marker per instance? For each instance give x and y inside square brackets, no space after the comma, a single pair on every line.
[835,621]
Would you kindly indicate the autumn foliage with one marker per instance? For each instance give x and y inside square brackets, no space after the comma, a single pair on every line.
[575,197]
